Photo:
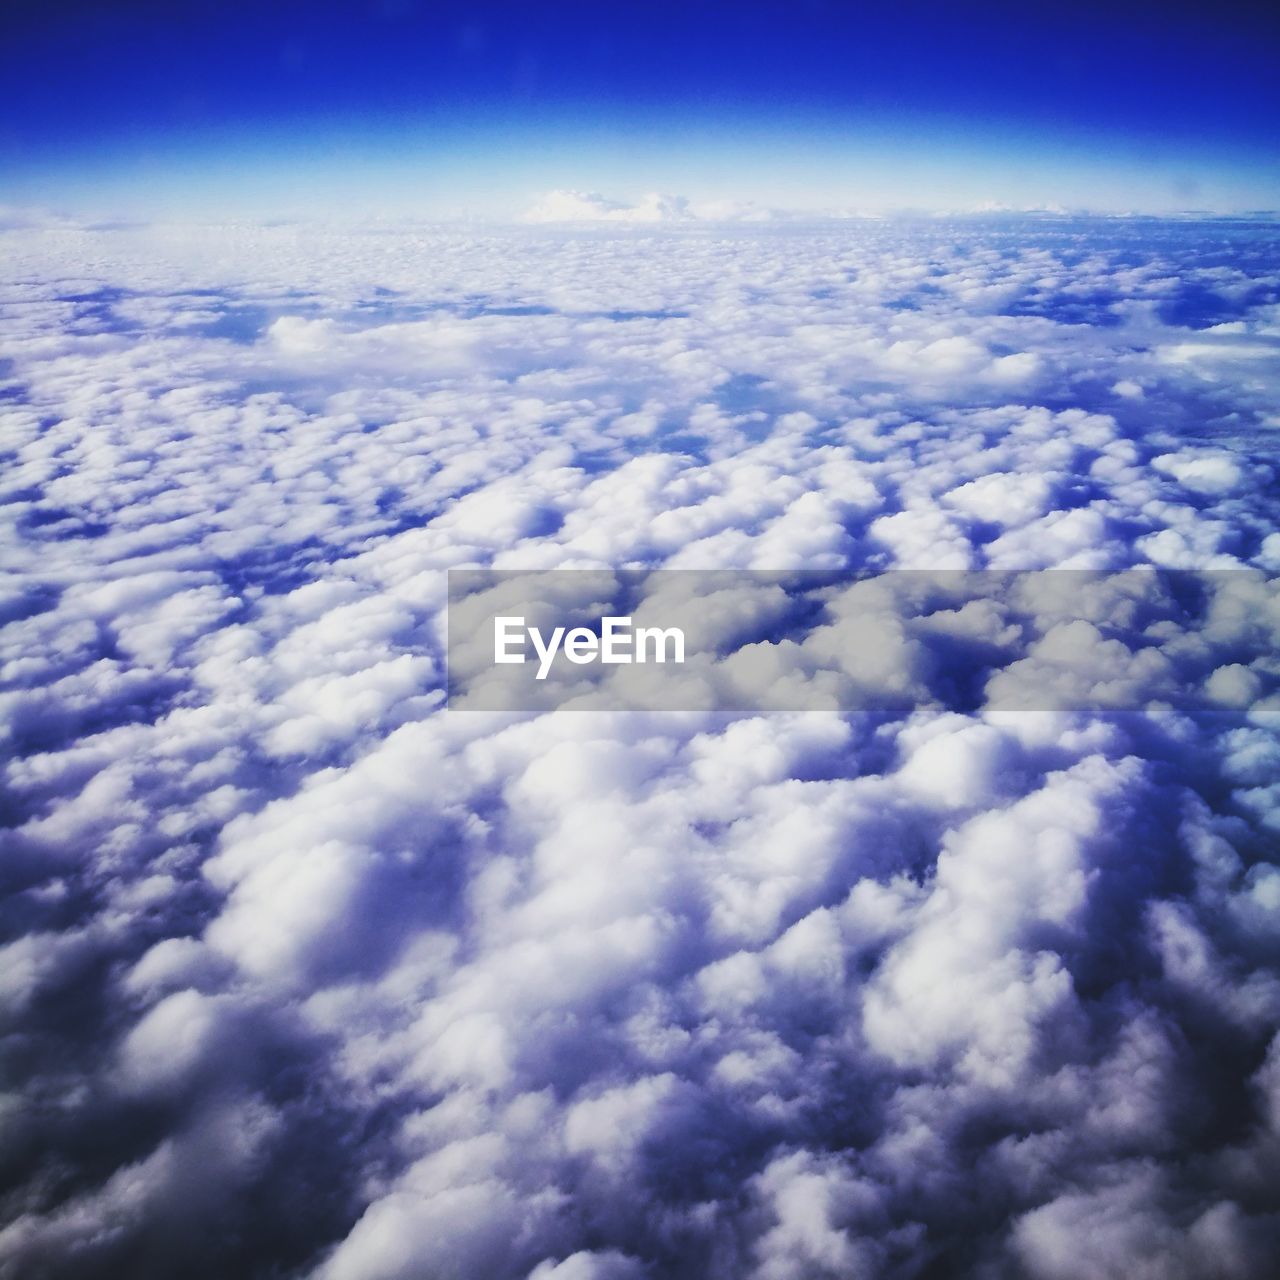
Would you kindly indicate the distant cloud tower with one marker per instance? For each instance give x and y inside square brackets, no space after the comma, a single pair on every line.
[588,206]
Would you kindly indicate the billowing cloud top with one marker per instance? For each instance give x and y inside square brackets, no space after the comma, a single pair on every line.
[304,975]
[583,206]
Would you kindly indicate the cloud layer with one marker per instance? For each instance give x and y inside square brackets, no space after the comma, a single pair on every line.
[304,975]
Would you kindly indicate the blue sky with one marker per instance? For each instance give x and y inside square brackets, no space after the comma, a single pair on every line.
[392,106]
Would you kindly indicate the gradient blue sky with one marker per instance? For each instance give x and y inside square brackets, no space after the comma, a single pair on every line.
[396,107]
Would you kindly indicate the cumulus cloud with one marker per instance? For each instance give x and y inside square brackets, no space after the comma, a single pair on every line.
[583,206]
[304,973]
[589,206]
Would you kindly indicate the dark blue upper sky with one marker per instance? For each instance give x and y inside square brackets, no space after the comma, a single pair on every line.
[449,105]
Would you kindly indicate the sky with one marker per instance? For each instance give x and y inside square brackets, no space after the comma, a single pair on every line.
[313,968]
[399,108]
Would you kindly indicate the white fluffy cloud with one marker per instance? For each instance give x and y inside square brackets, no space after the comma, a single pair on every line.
[588,206]
[304,974]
